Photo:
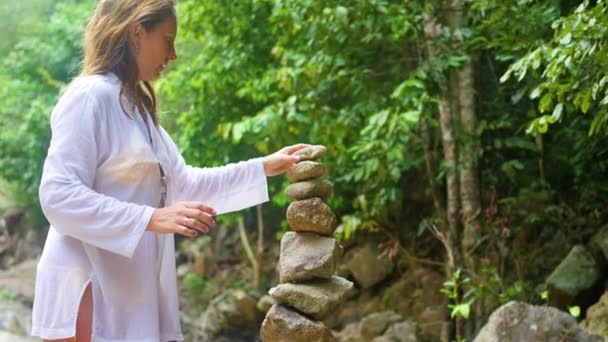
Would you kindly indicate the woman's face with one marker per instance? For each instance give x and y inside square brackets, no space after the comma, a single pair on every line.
[154,49]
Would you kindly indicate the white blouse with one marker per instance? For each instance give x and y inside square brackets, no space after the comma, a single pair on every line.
[100,185]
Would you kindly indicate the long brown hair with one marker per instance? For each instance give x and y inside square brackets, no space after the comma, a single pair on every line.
[107,47]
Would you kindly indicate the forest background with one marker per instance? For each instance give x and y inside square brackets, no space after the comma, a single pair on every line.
[467,134]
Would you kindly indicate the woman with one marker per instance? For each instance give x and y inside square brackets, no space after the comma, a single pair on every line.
[114,186]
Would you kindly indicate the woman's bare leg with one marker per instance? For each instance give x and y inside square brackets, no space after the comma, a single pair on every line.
[84,322]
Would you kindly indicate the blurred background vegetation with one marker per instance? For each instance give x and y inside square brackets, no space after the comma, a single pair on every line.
[468,133]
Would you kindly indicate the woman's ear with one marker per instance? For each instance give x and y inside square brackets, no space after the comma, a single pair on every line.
[135,37]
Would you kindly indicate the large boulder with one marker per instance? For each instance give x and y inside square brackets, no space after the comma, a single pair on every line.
[401,332]
[517,321]
[317,298]
[598,246]
[596,321]
[230,314]
[306,256]
[284,325]
[367,266]
[389,330]
[377,323]
[575,278]
[311,215]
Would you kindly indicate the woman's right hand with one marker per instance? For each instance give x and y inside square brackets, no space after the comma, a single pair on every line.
[185,218]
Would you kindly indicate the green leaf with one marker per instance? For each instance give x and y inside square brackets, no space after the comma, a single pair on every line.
[237,131]
[535,93]
[575,311]
[546,102]
[463,310]
[585,104]
[506,75]
[557,112]
[341,11]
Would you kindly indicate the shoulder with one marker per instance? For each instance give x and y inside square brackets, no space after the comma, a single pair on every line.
[98,89]
[87,96]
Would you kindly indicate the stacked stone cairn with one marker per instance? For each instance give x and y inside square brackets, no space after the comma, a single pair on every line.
[308,291]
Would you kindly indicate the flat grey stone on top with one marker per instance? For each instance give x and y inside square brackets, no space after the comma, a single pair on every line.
[311,152]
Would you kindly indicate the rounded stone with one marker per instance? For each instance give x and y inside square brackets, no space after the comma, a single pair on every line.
[308,189]
[306,170]
[311,152]
[311,215]
[286,325]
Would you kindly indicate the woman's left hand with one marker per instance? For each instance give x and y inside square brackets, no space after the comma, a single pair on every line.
[282,160]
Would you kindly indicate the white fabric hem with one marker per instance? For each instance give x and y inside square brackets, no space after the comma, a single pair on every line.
[173,337]
[52,334]
[163,338]
[254,194]
[61,333]
[55,334]
[139,232]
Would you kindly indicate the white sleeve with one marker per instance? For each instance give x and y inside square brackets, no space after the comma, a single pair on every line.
[68,201]
[227,188]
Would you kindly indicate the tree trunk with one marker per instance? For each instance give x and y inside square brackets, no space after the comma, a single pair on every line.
[249,252]
[469,184]
[446,118]
[468,147]
[260,248]
[430,168]
[449,232]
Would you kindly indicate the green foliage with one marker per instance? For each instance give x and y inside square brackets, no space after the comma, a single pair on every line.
[201,291]
[575,311]
[8,295]
[40,62]
[463,292]
[492,287]
[544,295]
[270,74]
[18,19]
[570,69]
[460,305]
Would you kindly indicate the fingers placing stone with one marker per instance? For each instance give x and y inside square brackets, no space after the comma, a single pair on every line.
[293,148]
